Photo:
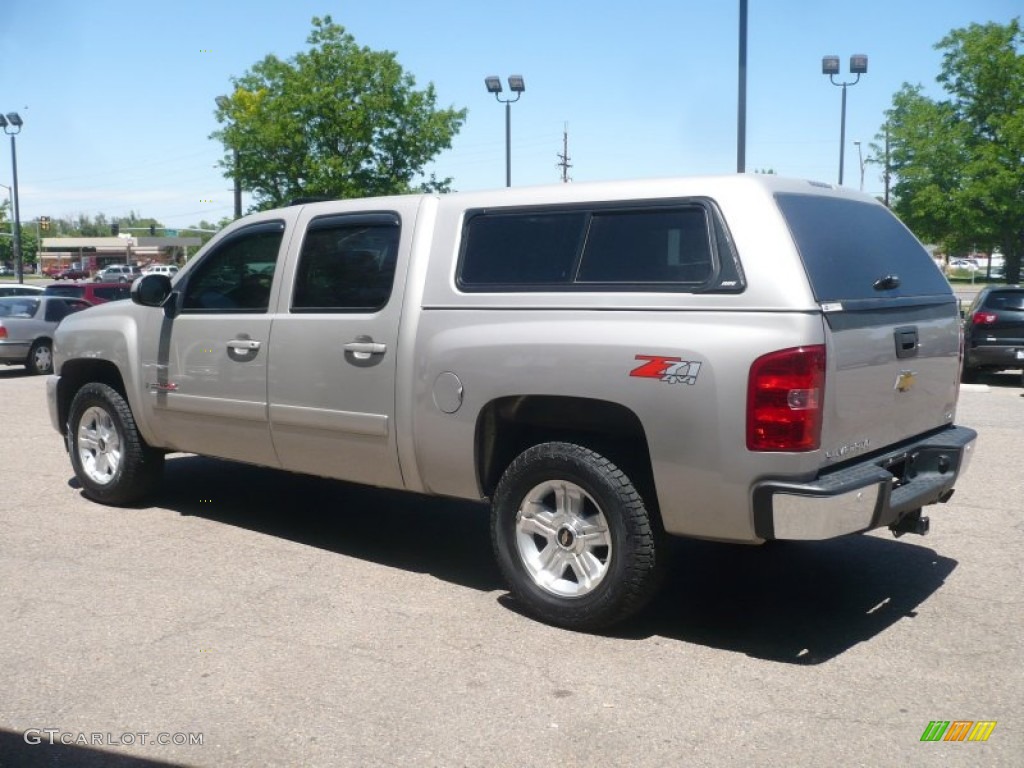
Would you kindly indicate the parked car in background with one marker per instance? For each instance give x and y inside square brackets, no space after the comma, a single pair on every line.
[94,293]
[118,273]
[19,289]
[27,324]
[161,269]
[994,331]
[6,271]
[71,273]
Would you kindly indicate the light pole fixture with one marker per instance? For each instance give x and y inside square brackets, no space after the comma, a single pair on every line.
[860,159]
[12,127]
[830,67]
[517,86]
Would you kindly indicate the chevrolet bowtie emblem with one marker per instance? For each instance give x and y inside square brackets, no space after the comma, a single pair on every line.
[905,381]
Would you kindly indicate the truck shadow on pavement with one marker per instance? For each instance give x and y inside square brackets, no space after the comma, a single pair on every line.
[793,602]
[448,538]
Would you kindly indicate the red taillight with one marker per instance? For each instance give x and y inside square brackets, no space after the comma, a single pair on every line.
[3,331]
[984,318]
[785,394]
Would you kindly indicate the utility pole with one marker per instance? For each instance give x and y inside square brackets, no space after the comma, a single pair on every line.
[887,171]
[563,159]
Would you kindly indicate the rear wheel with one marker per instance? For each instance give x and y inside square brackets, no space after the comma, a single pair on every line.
[40,358]
[573,537]
[109,456]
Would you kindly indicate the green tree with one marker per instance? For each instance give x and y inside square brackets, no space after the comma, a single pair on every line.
[338,120]
[958,163]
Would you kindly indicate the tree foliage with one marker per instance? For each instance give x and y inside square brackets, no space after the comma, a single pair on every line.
[958,163]
[338,120]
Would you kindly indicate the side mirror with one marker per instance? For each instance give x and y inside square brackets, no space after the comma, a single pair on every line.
[151,290]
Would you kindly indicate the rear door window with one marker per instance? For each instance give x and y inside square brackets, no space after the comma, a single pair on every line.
[347,264]
[853,250]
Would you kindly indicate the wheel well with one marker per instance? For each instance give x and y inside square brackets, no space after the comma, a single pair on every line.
[508,426]
[74,374]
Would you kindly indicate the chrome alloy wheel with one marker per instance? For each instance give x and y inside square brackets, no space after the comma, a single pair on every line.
[563,539]
[99,445]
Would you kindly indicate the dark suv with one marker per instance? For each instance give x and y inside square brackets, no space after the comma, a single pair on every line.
[994,331]
[94,293]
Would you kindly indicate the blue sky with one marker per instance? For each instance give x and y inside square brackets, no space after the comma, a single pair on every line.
[118,97]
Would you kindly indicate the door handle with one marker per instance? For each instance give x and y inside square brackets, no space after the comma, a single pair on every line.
[366,347]
[244,345]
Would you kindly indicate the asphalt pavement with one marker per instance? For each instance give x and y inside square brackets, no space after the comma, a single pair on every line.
[283,620]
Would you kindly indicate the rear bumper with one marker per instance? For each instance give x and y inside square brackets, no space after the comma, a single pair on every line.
[996,355]
[869,494]
[14,351]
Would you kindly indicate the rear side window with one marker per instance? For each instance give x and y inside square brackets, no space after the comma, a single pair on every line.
[854,250]
[63,290]
[663,247]
[347,264]
[58,309]
[648,247]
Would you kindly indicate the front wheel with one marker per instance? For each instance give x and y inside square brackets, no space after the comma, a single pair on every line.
[109,456]
[573,537]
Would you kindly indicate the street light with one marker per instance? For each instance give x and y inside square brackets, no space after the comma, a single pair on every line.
[860,158]
[830,67]
[517,86]
[12,127]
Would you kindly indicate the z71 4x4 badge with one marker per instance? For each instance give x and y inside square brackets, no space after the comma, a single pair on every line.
[671,370]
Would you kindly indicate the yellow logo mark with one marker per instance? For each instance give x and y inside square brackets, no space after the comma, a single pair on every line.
[905,381]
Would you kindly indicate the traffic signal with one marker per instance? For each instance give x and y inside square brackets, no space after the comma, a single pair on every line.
[44,222]
[115,228]
[152,230]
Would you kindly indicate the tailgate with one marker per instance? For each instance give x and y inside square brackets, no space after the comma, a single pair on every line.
[892,323]
[892,374]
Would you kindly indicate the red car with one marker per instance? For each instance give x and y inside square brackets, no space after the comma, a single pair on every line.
[71,273]
[94,293]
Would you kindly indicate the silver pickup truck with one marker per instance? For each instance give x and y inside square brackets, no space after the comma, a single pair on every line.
[740,358]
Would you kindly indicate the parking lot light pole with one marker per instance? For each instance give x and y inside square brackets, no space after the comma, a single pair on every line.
[830,67]
[517,86]
[12,127]
[860,159]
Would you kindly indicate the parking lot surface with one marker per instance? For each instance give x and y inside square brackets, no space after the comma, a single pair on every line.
[283,620]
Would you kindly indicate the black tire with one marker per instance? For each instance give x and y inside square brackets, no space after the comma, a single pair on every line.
[40,358]
[968,374]
[100,413]
[629,567]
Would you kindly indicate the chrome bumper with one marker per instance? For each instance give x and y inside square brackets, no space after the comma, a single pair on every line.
[869,494]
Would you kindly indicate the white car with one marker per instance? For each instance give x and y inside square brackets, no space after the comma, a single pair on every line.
[161,269]
[969,264]
[20,289]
